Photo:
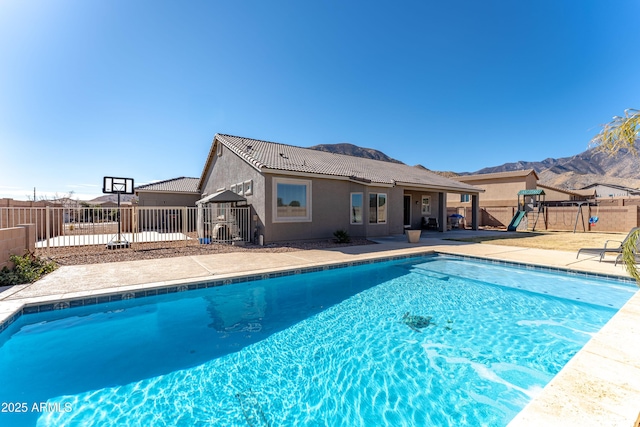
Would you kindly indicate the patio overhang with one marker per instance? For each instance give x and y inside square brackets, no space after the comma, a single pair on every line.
[225,196]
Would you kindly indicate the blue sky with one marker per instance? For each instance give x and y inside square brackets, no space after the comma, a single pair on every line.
[138,88]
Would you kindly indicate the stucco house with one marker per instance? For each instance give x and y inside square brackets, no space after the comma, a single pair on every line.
[500,188]
[181,191]
[299,193]
[612,190]
[557,194]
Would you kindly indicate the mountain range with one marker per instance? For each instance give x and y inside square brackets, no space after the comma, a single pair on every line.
[573,172]
[354,150]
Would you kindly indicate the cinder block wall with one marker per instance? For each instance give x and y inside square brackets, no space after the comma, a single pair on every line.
[15,241]
[496,216]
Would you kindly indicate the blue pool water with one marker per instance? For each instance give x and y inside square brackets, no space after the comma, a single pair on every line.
[318,349]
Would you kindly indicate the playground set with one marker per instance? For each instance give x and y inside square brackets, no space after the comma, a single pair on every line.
[532,206]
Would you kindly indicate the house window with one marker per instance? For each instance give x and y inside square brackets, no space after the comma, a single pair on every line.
[426,205]
[377,208]
[248,187]
[356,208]
[291,200]
[465,198]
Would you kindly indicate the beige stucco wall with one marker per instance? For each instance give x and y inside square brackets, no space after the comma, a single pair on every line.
[229,169]
[504,190]
[148,198]
[551,195]
[330,208]
[16,241]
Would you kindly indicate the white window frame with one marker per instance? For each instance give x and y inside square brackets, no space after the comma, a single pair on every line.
[248,187]
[351,218]
[425,208]
[377,208]
[274,199]
[465,198]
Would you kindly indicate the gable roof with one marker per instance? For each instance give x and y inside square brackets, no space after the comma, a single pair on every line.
[619,187]
[272,157]
[497,175]
[579,193]
[174,185]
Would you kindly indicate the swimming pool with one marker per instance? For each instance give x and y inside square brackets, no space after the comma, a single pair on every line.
[326,348]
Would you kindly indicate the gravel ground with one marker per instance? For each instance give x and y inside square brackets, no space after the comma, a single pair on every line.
[98,254]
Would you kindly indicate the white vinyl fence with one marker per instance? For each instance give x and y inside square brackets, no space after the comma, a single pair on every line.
[59,227]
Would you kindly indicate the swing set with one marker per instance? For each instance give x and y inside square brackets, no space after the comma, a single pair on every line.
[579,214]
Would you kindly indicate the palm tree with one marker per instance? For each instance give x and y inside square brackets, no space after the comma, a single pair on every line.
[623,133]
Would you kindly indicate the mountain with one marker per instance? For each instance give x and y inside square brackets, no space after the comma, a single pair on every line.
[354,150]
[573,172]
[580,170]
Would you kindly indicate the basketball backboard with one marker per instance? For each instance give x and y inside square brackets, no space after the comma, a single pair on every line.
[113,185]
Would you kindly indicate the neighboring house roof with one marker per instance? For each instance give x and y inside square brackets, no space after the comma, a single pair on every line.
[109,203]
[577,193]
[619,187]
[272,157]
[175,185]
[497,175]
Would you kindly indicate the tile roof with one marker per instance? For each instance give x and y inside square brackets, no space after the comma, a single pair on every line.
[271,156]
[580,193]
[496,175]
[174,185]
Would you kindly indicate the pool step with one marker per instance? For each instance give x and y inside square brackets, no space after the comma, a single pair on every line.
[430,273]
[251,409]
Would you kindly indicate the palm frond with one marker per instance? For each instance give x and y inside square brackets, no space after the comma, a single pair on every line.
[620,133]
[629,253]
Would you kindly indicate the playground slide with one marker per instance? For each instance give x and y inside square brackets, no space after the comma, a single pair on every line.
[516,221]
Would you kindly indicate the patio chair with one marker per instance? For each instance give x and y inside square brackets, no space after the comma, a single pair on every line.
[429,223]
[602,251]
[619,258]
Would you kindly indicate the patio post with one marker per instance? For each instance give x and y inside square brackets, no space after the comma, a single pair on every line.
[475,211]
[442,211]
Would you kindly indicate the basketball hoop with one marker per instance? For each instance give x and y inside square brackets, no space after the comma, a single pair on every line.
[113,185]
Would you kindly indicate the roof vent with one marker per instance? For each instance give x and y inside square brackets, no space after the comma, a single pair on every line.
[283,156]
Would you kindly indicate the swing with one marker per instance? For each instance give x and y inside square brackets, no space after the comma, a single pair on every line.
[594,219]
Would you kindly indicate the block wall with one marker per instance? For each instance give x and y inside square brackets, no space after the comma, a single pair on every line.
[15,241]
[610,218]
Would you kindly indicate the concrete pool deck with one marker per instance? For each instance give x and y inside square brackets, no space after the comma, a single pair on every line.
[600,386]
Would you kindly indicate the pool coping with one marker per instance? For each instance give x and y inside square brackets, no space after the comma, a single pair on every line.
[599,386]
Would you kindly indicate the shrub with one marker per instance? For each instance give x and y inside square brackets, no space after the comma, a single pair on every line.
[342,236]
[27,269]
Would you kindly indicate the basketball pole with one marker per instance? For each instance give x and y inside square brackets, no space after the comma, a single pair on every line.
[119,215]
[113,185]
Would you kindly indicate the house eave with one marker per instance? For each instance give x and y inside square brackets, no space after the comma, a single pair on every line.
[168,191]
[429,187]
[368,183]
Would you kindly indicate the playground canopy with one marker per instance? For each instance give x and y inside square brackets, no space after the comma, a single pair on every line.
[530,192]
